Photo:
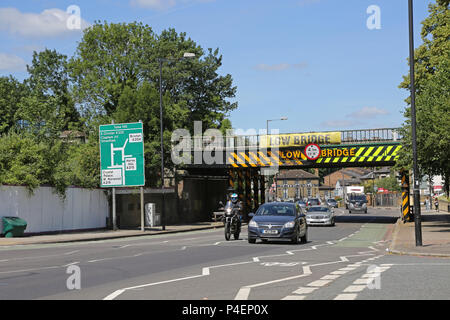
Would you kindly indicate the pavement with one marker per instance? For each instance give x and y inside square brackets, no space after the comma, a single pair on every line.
[106,234]
[435,236]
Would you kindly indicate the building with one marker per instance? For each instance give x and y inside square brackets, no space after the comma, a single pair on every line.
[296,184]
[343,178]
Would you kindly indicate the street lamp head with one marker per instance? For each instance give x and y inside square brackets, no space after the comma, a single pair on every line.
[283,118]
[189,55]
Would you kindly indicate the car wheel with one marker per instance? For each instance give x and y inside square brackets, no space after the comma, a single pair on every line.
[251,240]
[333,223]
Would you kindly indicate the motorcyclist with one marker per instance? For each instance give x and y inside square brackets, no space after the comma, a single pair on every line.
[234,203]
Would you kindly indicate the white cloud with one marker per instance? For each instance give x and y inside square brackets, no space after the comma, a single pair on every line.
[362,116]
[368,112]
[280,66]
[48,23]
[339,123]
[164,4]
[10,62]
[154,4]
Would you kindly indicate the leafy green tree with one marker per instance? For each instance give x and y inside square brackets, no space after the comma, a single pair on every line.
[432,77]
[116,77]
[11,92]
[48,108]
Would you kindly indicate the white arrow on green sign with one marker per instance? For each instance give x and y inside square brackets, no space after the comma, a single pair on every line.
[122,155]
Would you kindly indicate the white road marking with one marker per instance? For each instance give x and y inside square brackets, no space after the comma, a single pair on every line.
[346,296]
[356,288]
[294,298]
[303,290]
[242,294]
[330,277]
[319,283]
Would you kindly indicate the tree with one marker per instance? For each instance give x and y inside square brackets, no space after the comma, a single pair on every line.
[48,107]
[432,63]
[116,77]
[11,92]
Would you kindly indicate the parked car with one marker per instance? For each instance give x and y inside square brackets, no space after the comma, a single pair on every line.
[332,203]
[320,215]
[278,221]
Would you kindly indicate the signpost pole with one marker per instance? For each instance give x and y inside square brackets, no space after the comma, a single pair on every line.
[114,217]
[142,205]
[142,210]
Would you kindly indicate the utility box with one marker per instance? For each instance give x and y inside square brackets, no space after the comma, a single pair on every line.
[152,219]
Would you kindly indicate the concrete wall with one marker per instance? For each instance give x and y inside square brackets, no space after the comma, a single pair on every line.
[44,211]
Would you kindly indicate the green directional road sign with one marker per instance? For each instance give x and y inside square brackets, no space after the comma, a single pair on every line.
[122,155]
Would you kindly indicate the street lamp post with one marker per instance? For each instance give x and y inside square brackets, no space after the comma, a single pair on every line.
[417,215]
[267,135]
[161,60]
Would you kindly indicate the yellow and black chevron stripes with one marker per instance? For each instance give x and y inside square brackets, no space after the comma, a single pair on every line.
[370,155]
[405,205]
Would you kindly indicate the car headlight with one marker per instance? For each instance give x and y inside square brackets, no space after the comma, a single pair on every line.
[290,224]
[253,224]
[364,205]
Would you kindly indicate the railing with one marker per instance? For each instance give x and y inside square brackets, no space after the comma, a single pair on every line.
[370,135]
[253,141]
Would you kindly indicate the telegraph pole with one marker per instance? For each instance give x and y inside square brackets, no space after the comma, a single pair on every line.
[417,215]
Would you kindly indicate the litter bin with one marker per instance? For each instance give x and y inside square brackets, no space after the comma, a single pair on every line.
[13,227]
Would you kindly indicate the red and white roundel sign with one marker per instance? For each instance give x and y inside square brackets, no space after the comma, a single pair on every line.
[312,151]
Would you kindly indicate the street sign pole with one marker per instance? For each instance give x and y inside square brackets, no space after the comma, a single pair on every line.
[142,205]
[114,217]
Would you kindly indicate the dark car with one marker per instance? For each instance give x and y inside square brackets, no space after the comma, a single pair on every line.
[332,203]
[357,202]
[278,221]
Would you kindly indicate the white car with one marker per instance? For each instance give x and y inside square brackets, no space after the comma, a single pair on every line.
[320,216]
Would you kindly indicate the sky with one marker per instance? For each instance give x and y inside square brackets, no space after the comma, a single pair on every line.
[324,64]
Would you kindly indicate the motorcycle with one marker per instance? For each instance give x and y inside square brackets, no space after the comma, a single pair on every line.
[232,221]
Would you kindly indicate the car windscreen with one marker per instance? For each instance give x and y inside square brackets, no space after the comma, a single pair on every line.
[331,200]
[358,198]
[276,210]
[318,209]
[313,201]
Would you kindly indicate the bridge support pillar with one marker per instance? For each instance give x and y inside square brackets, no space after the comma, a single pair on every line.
[240,190]
[248,193]
[406,209]
[255,190]
[231,178]
[262,188]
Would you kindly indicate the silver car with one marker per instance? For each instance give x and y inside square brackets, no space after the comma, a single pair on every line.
[320,216]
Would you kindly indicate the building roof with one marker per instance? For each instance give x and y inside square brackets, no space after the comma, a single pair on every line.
[296,174]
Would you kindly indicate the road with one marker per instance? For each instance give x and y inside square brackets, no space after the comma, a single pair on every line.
[348,261]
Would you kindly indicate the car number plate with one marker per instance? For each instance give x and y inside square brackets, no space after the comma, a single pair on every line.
[270,231]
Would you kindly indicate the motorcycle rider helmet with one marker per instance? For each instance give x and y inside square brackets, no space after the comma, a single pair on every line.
[234,198]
